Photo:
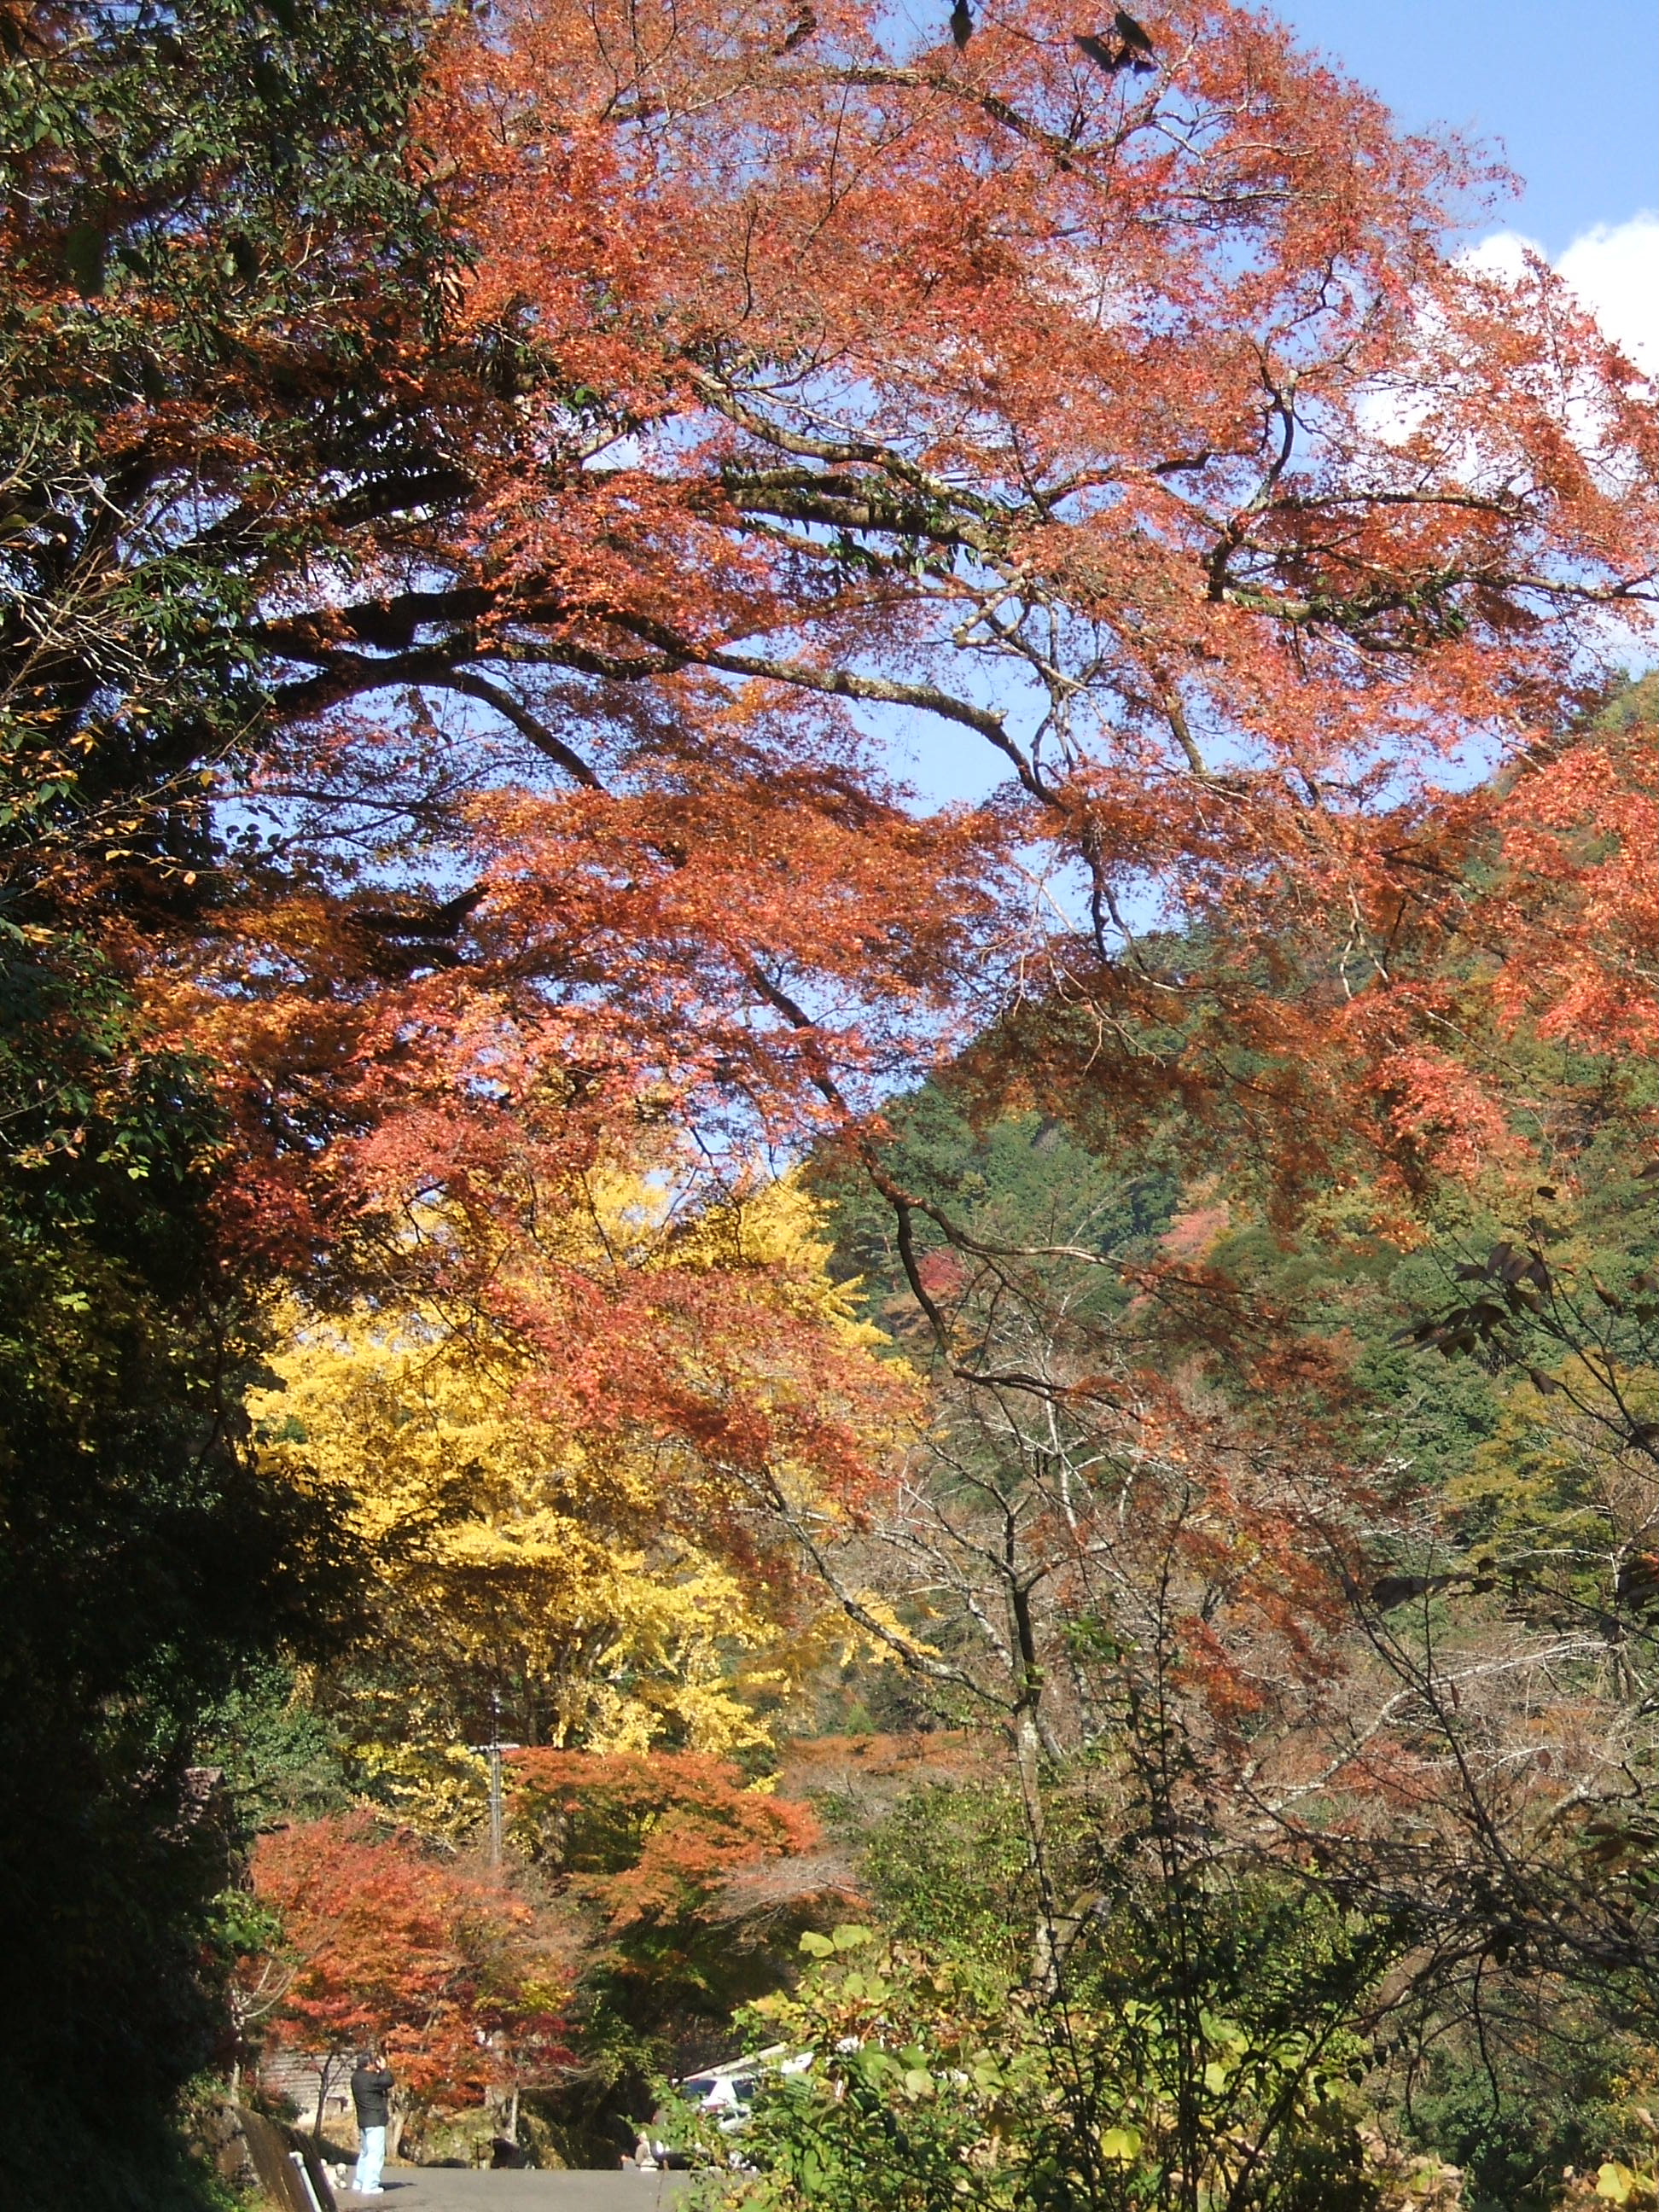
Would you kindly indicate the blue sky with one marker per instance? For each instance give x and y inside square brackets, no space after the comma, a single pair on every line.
[1570,88]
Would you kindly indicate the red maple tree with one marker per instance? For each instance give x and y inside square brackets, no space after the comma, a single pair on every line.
[1140,429]
[692,1874]
[389,1946]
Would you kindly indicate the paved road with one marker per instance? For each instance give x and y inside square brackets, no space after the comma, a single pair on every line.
[457,2189]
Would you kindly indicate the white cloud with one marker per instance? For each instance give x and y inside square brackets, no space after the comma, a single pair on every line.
[1614,270]
[1504,255]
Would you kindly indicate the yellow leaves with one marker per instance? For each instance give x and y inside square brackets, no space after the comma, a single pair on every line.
[441,1786]
[885,1636]
[544,1484]
[773,1231]
[502,1545]
[1618,2184]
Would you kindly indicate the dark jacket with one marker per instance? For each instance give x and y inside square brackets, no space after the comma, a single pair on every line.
[369,2091]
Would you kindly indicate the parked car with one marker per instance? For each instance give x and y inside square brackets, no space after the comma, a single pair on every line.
[725,2094]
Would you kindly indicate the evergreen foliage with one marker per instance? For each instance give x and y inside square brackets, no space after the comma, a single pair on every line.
[206,218]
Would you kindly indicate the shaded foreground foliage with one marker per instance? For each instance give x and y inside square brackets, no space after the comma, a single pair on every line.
[160,167]
[145,1566]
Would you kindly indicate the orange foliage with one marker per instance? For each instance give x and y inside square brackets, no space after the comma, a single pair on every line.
[1136,429]
[1148,408]
[651,1840]
[692,1875]
[390,1945]
[1139,431]
[1574,908]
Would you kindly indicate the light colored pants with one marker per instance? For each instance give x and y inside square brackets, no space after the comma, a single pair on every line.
[371,2157]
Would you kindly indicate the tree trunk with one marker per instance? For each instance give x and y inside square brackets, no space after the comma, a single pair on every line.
[1028,1759]
[322,2097]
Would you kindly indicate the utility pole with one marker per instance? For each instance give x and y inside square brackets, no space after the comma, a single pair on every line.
[494,1803]
[492,1751]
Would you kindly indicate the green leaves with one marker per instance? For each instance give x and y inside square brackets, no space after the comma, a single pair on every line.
[842,1940]
[84,251]
[956,2088]
[228,185]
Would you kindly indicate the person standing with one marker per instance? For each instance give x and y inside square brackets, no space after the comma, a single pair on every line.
[371,2091]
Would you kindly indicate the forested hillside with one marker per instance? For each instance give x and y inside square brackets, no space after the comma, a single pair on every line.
[1023,1434]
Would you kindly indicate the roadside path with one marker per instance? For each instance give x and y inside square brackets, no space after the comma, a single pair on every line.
[461,2188]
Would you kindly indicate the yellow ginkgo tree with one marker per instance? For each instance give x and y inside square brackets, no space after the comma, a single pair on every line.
[579,1555]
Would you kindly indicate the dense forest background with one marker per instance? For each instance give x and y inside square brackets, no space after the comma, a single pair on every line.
[1029,1429]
